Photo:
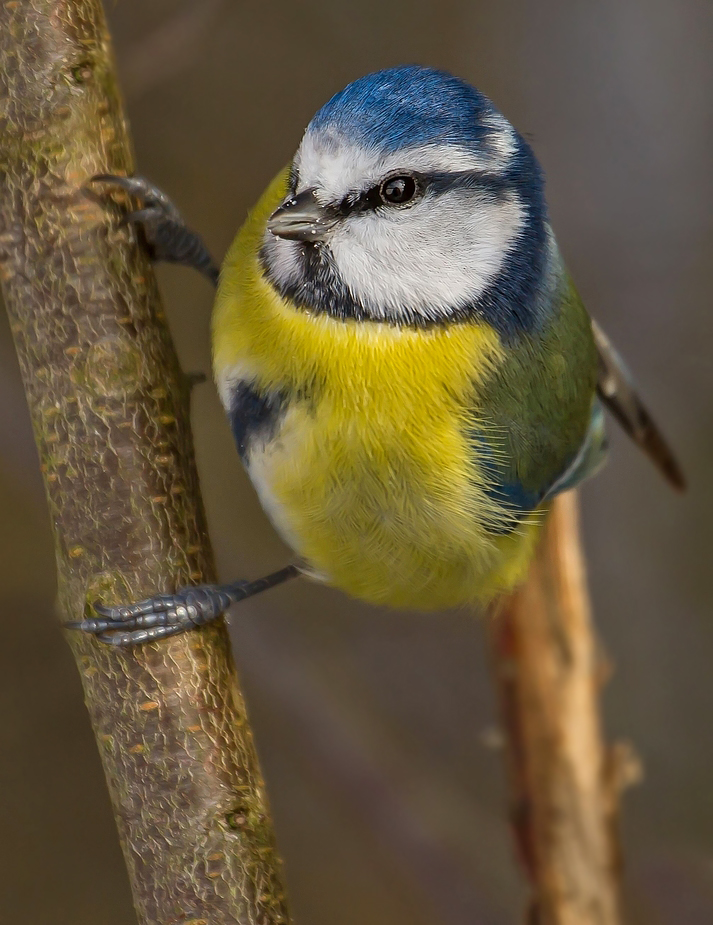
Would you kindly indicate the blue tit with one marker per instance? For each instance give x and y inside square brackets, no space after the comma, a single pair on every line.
[407,368]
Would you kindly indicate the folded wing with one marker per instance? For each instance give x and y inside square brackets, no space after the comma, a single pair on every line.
[616,389]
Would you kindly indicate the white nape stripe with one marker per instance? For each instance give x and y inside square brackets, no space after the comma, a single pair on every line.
[335,167]
[502,138]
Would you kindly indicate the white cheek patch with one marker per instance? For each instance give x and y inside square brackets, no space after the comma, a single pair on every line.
[430,259]
[283,258]
[423,261]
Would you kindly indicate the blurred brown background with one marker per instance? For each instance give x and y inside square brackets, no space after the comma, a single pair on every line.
[616,100]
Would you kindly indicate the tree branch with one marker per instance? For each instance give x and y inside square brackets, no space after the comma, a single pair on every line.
[564,781]
[109,406]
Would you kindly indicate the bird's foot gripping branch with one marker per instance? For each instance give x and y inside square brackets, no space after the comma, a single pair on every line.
[109,408]
[169,614]
[168,237]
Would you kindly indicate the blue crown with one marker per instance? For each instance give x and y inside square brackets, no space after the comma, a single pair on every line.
[407,106]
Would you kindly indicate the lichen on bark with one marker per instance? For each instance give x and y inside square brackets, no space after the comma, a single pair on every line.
[109,409]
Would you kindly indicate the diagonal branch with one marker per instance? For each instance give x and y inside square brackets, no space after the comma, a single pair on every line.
[564,780]
[109,406]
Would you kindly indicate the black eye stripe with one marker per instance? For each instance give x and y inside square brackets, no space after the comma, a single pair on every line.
[494,185]
[373,198]
[366,201]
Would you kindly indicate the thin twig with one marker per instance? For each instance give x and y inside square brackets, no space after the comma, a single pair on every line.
[564,781]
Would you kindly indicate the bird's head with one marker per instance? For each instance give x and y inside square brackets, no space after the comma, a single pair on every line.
[412,200]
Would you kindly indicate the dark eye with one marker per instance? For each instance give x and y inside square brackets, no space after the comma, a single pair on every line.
[398,190]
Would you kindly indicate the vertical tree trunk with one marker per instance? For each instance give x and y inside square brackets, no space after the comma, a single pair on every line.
[109,407]
[564,781]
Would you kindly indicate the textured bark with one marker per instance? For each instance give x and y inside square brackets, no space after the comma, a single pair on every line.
[109,408]
[564,780]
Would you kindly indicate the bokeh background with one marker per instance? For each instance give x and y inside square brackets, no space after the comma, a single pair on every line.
[616,98]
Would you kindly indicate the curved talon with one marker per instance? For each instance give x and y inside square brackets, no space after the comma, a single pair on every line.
[88,626]
[135,637]
[122,613]
[157,617]
[141,189]
[164,229]
[143,621]
[169,614]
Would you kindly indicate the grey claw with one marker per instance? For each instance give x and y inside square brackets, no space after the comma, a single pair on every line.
[136,637]
[90,625]
[170,614]
[157,617]
[142,189]
[166,234]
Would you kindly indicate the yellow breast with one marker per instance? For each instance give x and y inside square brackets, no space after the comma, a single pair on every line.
[369,475]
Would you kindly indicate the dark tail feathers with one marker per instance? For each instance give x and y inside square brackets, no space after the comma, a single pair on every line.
[616,389]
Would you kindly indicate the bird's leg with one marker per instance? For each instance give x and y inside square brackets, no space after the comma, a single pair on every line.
[170,614]
[167,235]
[169,239]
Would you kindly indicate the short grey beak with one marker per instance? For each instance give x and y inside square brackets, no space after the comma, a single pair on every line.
[301,218]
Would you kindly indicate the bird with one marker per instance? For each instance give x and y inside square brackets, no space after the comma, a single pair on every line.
[405,363]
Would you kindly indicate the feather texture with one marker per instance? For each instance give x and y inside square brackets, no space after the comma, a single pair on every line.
[384,464]
[410,380]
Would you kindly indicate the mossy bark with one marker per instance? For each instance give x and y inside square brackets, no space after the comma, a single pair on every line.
[109,406]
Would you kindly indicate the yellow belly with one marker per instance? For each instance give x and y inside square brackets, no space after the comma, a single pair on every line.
[387,513]
[369,475]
